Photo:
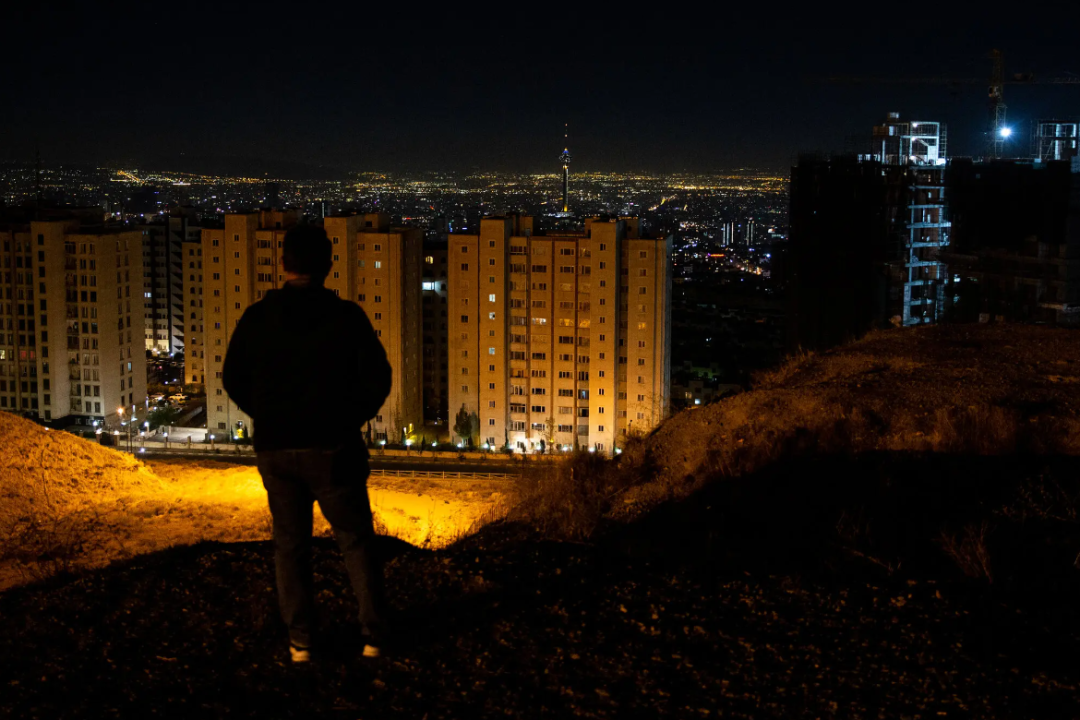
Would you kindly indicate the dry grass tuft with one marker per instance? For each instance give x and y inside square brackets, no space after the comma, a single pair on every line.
[1044,499]
[569,499]
[968,549]
[783,374]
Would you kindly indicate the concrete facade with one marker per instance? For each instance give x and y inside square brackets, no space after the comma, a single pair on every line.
[379,267]
[241,262]
[561,337]
[435,319]
[172,255]
[72,343]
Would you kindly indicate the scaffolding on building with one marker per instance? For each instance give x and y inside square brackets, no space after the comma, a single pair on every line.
[913,156]
[1054,140]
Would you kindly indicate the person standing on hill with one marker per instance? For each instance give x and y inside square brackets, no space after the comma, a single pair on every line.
[309,369]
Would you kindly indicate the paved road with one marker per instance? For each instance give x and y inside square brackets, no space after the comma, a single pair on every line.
[377,463]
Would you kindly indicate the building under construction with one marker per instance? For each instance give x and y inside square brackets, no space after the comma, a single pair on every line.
[866,235]
[912,158]
[1015,254]
[904,235]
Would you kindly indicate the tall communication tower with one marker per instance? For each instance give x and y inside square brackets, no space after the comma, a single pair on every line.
[565,159]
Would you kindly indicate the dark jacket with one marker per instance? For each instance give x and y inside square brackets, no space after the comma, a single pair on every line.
[307,367]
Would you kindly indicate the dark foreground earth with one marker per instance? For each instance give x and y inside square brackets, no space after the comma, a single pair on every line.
[691,625]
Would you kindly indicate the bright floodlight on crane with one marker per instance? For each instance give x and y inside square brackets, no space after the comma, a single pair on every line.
[1005,132]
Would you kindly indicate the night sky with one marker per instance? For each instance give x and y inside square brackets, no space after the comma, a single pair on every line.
[290,86]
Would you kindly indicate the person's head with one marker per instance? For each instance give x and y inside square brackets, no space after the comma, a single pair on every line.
[307,252]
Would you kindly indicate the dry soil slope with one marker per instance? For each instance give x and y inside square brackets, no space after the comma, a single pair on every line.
[970,388]
[67,503]
[56,473]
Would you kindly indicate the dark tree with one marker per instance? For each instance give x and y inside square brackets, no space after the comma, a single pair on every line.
[463,425]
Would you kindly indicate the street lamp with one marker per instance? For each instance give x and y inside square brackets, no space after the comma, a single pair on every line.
[120,414]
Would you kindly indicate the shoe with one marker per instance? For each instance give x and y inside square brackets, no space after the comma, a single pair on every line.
[375,640]
[299,654]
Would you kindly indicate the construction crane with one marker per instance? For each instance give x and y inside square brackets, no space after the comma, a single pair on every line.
[998,130]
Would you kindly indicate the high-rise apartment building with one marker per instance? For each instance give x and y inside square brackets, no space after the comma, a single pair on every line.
[172,253]
[436,398]
[71,321]
[379,267]
[241,262]
[559,339]
[374,265]
[194,317]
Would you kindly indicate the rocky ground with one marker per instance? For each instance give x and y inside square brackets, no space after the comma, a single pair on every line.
[500,626]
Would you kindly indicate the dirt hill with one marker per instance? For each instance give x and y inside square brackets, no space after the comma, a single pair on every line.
[984,390]
[67,503]
[42,471]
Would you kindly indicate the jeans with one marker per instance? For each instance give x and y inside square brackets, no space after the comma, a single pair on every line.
[337,479]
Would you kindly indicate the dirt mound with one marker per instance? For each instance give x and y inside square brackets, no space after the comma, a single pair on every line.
[68,504]
[978,389]
[44,471]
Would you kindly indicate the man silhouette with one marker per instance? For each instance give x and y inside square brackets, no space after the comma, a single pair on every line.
[310,371]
